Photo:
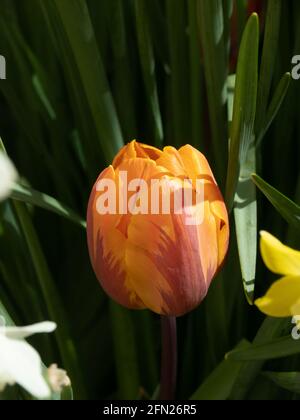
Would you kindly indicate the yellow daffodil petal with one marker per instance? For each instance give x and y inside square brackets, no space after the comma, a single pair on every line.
[282,299]
[279,258]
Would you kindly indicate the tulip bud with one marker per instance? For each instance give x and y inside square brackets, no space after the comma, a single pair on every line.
[157,228]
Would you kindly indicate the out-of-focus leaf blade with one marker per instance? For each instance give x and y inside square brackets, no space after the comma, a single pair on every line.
[219,383]
[36,198]
[242,134]
[179,75]
[52,299]
[275,104]
[67,394]
[5,315]
[289,210]
[148,67]
[125,352]
[245,214]
[286,380]
[212,31]
[242,156]
[274,349]
[79,31]
[196,79]
[270,329]
[272,28]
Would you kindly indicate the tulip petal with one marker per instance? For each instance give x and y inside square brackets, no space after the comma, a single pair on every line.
[107,233]
[171,264]
[282,299]
[134,150]
[197,167]
[163,275]
[195,163]
[279,258]
[172,161]
[106,245]
[127,152]
[159,261]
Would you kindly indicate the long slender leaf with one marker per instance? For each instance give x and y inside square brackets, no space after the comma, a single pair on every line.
[219,384]
[289,210]
[179,80]
[148,66]
[196,84]
[272,27]
[245,214]
[125,352]
[211,27]
[281,347]
[80,34]
[275,105]
[286,380]
[242,156]
[31,196]
[270,329]
[242,134]
[52,299]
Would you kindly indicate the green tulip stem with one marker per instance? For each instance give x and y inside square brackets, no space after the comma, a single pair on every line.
[168,358]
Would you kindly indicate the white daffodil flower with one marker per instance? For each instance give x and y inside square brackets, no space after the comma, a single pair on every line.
[19,362]
[8,175]
[58,378]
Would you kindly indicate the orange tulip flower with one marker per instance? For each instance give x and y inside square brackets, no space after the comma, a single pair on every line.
[156,260]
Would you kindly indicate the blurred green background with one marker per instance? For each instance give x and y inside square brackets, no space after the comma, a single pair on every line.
[83,78]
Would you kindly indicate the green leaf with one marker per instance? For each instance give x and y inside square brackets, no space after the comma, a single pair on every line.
[272,27]
[274,349]
[148,68]
[123,80]
[242,127]
[276,102]
[159,36]
[269,330]
[52,299]
[125,352]
[36,198]
[286,380]
[67,394]
[196,79]
[179,77]
[242,156]
[78,30]
[212,31]
[219,384]
[289,210]
[5,315]
[245,215]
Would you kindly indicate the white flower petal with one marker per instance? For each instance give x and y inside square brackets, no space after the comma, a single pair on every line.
[58,378]
[20,363]
[8,175]
[23,332]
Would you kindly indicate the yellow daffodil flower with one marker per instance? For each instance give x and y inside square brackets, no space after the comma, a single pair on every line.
[283,297]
